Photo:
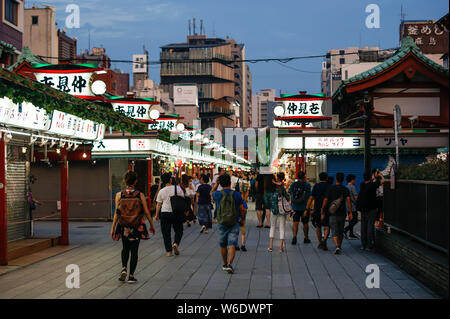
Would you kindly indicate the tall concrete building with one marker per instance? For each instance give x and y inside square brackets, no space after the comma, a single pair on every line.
[40,32]
[141,70]
[260,107]
[222,100]
[242,87]
[44,39]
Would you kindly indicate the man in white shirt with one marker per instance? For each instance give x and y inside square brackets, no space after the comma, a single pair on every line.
[165,213]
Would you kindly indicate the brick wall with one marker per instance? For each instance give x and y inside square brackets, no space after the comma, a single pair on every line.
[427,266]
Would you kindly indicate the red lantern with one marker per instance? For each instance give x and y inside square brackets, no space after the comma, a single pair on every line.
[178,162]
[211,166]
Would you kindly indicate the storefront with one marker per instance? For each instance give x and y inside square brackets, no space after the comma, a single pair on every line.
[41,123]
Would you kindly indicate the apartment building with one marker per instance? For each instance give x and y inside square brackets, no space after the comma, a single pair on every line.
[261,107]
[11,30]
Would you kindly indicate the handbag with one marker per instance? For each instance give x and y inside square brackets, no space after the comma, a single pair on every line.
[284,207]
[179,205]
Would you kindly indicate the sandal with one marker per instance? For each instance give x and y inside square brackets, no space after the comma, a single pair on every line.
[269,249]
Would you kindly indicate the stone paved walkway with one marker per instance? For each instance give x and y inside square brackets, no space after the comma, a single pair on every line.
[302,271]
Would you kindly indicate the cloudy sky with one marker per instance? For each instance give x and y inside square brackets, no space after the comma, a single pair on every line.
[269,29]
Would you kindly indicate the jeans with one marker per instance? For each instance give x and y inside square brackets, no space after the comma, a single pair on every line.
[130,246]
[368,228]
[169,220]
[352,223]
[228,236]
[204,215]
[273,225]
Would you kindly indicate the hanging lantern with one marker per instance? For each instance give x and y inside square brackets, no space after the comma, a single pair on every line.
[178,162]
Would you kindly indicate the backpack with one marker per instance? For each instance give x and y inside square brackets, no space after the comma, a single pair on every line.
[130,208]
[284,208]
[299,193]
[227,213]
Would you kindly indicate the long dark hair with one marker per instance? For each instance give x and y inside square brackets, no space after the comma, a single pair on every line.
[269,186]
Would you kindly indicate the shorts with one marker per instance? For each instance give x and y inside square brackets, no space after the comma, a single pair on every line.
[300,215]
[337,225]
[242,228]
[228,236]
[268,200]
[259,205]
[317,220]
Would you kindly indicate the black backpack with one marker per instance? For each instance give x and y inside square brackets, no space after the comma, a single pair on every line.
[179,205]
[298,192]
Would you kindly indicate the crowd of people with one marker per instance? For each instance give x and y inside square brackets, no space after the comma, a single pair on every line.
[223,199]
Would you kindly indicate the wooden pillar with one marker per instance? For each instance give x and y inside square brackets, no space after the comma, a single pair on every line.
[3,211]
[64,198]
[149,179]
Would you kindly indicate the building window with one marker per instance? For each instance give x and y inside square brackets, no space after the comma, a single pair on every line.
[34,19]
[341,52]
[342,60]
[265,94]
[11,11]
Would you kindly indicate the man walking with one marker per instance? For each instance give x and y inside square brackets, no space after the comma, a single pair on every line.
[336,196]
[300,192]
[230,216]
[367,205]
[353,197]
[317,195]
[259,204]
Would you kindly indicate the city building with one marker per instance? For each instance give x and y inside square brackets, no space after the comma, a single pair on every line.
[260,105]
[215,78]
[11,30]
[242,87]
[97,55]
[67,47]
[44,39]
[141,70]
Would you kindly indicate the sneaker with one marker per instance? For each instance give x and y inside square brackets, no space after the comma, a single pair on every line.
[203,228]
[132,280]
[123,275]
[294,241]
[259,226]
[266,226]
[237,248]
[229,269]
[224,267]
[337,251]
[353,237]
[189,224]
[324,246]
[243,248]
[307,241]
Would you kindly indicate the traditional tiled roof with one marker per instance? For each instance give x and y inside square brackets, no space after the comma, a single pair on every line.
[26,56]
[406,47]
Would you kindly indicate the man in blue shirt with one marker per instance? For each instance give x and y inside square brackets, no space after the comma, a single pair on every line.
[301,189]
[228,236]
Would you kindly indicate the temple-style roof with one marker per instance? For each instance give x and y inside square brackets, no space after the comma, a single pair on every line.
[407,46]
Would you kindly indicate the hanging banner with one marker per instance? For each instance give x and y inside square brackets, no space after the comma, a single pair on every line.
[168,124]
[23,115]
[300,108]
[135,108]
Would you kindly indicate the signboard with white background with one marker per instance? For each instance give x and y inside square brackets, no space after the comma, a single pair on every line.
[185,94]
[23,115]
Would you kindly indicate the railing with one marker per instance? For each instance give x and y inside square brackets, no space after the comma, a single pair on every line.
[420,210]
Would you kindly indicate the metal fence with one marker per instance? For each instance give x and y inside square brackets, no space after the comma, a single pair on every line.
[419,209]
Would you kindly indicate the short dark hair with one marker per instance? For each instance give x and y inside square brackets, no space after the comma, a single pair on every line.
[166,177]
[205,178]
[350,177]
[330,179]
[301,175]
[225,180]
[185,180]
[220,169]
[367,176]
[130,178]
[156,180]
[281,176]
[323,176]
[339,177]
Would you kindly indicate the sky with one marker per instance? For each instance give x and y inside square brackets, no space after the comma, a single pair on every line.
[269,29]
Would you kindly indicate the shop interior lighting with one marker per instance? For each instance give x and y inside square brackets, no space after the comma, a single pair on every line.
[58,151]
[24,149]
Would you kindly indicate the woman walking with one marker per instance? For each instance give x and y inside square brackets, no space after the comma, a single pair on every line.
[269,189]
[165,213]
[203,200]
[277,213]
[245,185]
[129,224]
